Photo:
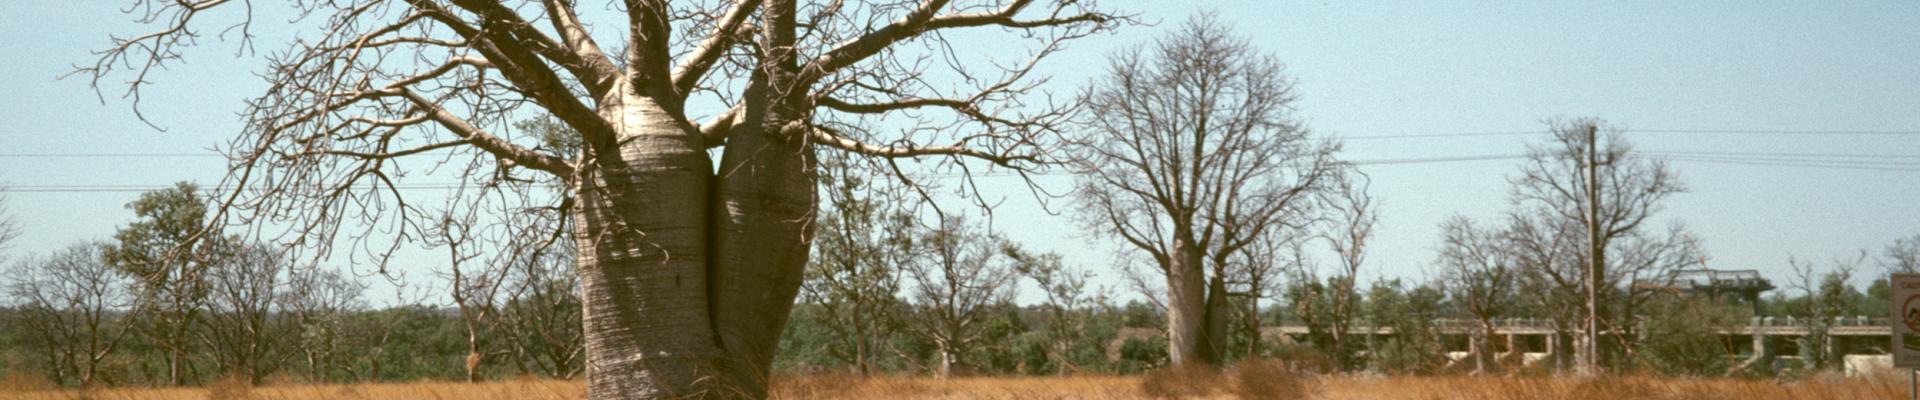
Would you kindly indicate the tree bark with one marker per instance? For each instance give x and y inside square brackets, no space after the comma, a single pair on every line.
[688,276]
[641,232]
[1216,337]
[1186,305]
[762,212]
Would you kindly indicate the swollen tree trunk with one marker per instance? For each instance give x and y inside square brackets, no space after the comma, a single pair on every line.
[688,276]
[1186,304]
[1217,310]
[762,216]
[641,232]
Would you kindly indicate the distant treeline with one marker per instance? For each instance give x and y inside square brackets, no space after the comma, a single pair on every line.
[884,293]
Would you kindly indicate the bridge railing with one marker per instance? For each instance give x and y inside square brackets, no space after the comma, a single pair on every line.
[1857,320]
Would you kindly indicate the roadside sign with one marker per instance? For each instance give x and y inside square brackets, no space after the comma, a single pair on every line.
[1905,320]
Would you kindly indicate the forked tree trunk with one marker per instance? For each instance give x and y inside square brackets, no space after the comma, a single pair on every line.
[688,276]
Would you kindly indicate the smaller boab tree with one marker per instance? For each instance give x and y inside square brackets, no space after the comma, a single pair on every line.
[1191,153]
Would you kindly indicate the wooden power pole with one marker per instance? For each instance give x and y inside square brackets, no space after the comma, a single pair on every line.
[1590,350]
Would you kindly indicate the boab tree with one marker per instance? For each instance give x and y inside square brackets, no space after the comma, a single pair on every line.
[688,264]
[1192,153]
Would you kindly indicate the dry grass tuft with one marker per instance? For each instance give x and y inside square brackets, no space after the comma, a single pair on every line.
[1270,379]
[18,382]
[1182,382]
[230,388]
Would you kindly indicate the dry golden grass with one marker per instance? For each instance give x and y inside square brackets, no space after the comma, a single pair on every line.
[1081,387]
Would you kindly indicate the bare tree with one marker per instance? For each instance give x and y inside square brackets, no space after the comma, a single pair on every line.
[76,308]
[1068,305]
[1903,256]
[1261,272]
[963,274]
[1827,296]
[541,316]
[864,236]
[1476,268]
[474,284]
[1353,216]
[1594,180]
[672,242]
[1192,153]
[9,229]
[245,325]
[319,301]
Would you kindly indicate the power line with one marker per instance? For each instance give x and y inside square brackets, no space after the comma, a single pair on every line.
[1801,164]
[1777,132]
[1443,135]
[106,155]
[1850,132]
[1432,160]
[1784,154]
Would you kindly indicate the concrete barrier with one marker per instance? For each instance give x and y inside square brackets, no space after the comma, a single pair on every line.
[1861,365]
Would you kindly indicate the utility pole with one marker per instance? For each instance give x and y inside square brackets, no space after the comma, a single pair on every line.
[1590,350]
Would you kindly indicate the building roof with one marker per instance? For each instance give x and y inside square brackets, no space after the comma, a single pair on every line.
[1725,280]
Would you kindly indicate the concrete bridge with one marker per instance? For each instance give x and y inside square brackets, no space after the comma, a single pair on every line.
[1758,343]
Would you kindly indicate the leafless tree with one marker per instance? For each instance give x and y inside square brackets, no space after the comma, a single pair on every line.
[865,235]
[319,300]
[1903,256]
[1262,272]
[1592,179]
[1069,303]
[1476,268]
[963,274]
[1192,153]
[76,308]
[541,316]
[475,285]
[9,229]
[1828,296]
[1352,214]
[245,326]
[672,242]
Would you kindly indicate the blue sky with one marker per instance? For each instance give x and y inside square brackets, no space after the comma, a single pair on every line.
[1363,69]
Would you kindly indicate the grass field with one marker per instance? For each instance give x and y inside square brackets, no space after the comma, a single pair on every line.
[1095,387]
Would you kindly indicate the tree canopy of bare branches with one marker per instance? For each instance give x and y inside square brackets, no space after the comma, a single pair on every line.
[9,229]
[1580,223]
[78,307]
[963,274]
[865,235]
[1192,152]
[1477,269]
[670,239]
[1902,256]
